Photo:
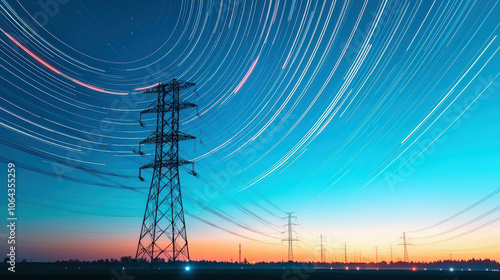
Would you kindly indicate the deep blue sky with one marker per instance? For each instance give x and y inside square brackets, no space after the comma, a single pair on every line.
[364,118]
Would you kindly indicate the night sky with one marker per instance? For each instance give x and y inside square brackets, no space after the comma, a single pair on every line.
[366,119]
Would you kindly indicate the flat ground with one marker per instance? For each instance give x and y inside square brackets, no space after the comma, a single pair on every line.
[235,274]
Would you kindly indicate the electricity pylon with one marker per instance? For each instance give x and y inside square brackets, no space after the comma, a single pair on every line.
[405,244]
[322,250]
[345,252]
[290,238]
[163,232]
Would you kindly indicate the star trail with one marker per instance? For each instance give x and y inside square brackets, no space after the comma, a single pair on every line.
[365,119]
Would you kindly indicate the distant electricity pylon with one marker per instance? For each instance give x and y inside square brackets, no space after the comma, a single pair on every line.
[322,249]
[405,244]
[163,232]
[345,252]
[290,238]
[239,257]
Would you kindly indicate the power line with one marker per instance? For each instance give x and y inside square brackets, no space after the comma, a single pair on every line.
[226,230]
[460,212]
[463,234]
[226,217]
[462,225]
[242,208]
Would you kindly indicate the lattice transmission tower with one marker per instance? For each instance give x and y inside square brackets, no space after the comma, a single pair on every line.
[163,233]
[290,237]
[322,250]
[405,243]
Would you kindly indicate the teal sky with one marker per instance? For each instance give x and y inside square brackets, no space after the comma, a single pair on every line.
[366,119]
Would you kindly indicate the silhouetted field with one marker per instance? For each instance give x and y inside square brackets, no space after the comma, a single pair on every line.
[242,274]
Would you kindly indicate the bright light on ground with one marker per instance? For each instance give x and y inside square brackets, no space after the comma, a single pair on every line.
[187,268]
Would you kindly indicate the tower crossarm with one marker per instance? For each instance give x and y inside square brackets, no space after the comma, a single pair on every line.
[288,239]
[167,137]
[168,87]
[167,163]
[169,106]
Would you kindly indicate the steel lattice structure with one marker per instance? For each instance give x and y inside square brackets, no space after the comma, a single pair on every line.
[163,232]
[405,244]
[290,238]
